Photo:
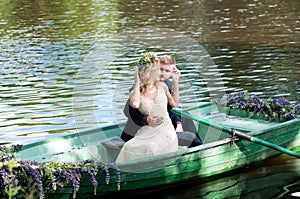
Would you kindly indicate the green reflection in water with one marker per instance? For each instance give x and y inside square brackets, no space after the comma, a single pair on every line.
[52,19]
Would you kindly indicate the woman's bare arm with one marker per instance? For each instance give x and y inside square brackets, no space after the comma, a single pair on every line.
[172,102]
[135,95]
[175,86]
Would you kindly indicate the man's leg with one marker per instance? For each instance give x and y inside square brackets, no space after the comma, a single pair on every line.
[188,125]
[188,139]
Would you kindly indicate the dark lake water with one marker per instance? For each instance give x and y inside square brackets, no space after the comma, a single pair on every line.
[67,66]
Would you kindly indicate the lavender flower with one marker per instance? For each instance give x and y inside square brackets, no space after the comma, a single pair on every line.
[276,107]
[118,174]
[15,173]
[107,175]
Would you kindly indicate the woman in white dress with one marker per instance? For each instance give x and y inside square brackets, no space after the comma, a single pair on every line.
[151,97]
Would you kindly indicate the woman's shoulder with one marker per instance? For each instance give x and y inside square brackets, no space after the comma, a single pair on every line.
[162,84]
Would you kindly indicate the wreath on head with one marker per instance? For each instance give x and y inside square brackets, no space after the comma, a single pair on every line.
[145,61]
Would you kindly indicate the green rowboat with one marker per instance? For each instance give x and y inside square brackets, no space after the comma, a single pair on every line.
[221,152]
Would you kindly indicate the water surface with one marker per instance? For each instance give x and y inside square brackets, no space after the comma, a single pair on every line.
[67,66]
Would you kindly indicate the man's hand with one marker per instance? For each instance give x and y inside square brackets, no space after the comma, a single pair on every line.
[154,121]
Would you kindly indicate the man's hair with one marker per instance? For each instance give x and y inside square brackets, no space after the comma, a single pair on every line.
[167,59]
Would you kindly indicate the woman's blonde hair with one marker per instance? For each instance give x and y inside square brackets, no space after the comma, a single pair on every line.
[149,74]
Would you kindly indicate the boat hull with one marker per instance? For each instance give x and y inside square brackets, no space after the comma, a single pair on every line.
[217,155]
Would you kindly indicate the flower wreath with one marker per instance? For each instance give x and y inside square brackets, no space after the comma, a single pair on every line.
[145,61]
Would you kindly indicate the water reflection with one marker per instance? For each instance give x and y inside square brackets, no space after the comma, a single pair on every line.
[253,45]
[67,66]
[261,69]
[109,71]
[43,45]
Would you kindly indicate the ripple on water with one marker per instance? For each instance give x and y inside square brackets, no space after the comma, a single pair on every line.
[47,89]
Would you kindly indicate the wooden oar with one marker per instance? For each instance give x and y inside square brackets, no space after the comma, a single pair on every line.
[238,133]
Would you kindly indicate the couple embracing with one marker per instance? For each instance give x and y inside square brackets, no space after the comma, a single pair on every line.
[152,128]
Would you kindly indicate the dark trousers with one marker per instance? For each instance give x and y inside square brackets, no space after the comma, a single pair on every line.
[188,139]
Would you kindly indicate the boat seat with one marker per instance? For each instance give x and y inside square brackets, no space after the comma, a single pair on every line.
[115,143]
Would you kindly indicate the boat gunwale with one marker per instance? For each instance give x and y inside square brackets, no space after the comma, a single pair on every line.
[72,135]
[199,148]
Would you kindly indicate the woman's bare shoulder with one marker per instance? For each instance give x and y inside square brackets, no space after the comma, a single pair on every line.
[162,84]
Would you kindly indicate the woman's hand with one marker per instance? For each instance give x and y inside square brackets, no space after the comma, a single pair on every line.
[179,128]
[175,74]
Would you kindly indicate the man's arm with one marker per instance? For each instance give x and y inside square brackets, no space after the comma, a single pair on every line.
[174,117]
[136,116]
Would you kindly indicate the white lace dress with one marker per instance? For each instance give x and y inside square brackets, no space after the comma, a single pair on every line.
[150,141]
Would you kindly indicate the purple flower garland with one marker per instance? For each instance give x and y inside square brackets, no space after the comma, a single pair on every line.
[21,177]
[275,107]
